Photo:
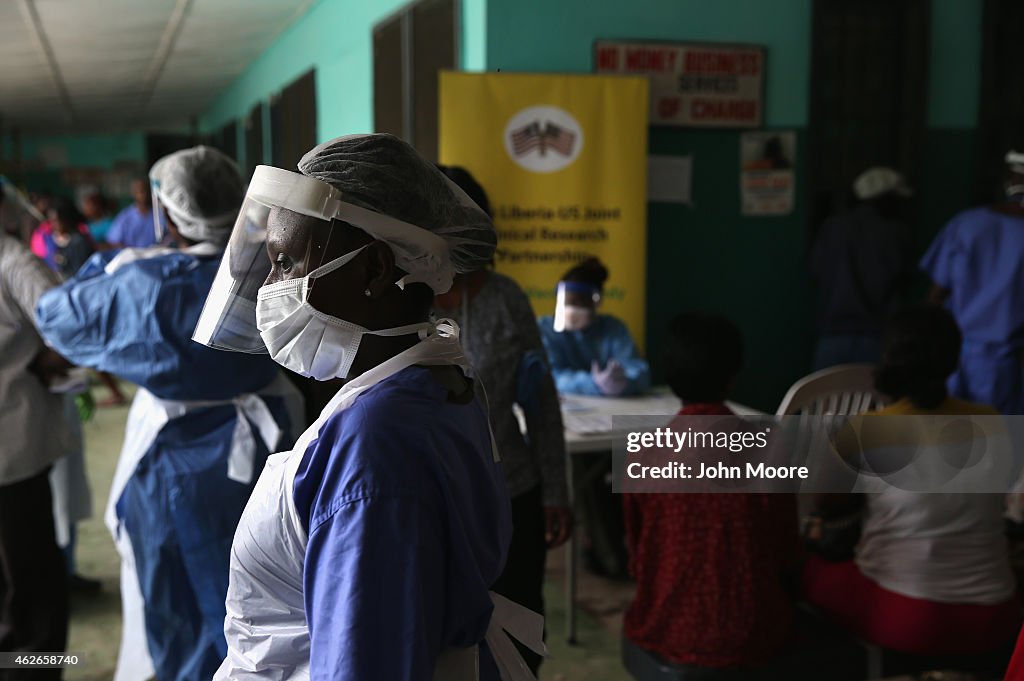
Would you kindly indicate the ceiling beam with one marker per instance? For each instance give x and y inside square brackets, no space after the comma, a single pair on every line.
[30,14]
[163,52]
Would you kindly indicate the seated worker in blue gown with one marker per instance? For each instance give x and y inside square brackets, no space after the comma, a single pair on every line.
[200,427]
[976,264]
[368,550]
[591,353]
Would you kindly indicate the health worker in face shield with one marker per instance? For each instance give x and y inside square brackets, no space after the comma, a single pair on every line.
[200,427]
[976,264]
[368,550]
[591,353]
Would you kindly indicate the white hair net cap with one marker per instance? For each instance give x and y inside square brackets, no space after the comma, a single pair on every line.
[1015,159]
[201,189]
[383,174]
[879,181]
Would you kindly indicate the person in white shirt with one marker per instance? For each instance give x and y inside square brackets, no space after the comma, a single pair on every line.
[33,579]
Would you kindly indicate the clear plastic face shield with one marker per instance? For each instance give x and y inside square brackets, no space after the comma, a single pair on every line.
[159,218]
[228,321]
[575,305]
[279,201]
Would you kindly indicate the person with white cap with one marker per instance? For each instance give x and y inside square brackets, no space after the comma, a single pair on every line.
[976,264]
[367,551]
[201,425]
[861,262]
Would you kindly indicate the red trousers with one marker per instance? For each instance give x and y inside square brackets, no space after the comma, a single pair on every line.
[905,624]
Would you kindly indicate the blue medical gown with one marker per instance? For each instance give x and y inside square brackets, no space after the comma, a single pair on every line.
[571,354]
[137,323]
[409,523]
[179,508]
[979,258]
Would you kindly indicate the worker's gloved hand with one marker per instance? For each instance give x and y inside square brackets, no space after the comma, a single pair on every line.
[611,380]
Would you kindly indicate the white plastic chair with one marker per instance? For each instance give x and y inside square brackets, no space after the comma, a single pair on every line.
[822,400]
[840,390]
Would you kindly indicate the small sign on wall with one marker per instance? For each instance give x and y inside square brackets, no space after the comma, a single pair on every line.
[697,85]
[669,179]
[767,177]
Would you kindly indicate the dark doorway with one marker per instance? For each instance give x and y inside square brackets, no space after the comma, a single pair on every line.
[409,50]
[226,139]
[293,121]
[253,139]
[1001,111]
[869,80]
[159,145]
[388,87]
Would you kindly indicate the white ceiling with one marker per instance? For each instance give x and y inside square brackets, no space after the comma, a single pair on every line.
[113,65]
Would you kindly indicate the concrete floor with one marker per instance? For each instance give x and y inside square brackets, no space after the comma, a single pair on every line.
[96,621]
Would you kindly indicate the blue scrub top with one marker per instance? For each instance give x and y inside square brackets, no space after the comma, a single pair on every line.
[137,323]
[571,354]
[979,257]
[133,228]
[409,524]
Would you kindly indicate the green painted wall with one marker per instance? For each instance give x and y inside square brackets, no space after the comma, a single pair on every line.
[335,38]
[46,159]
[546,36]
[705,256]
[946,182]
[78,151]
[955,66]
[709,256]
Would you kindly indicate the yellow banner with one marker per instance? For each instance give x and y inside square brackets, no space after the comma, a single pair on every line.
[564,162]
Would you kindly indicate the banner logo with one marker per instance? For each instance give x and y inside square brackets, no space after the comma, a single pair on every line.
[543,139]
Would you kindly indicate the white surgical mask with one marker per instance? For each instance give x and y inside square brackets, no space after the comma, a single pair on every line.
[578,317]
[304,339]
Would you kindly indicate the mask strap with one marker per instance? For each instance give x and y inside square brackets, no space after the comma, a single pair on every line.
[400,330]
[335,264]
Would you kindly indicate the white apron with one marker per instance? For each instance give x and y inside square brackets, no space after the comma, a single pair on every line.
[271,535]
[147,416]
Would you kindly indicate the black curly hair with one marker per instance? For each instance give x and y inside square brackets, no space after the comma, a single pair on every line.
[921,349]
[702,355]
[590,271]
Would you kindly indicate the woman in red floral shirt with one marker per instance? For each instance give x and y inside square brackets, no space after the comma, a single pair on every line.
[710,569]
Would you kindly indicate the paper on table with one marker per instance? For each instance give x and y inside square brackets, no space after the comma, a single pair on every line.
[584,423]
[669,179]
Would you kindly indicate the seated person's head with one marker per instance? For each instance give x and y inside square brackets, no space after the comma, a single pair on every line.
[590,273]
[703,354]
[921,349]
[579,294]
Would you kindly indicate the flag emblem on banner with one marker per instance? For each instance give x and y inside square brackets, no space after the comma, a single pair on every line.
[543,136]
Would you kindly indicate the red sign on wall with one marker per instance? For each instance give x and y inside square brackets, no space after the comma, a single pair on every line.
[693,84]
